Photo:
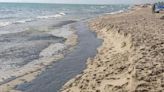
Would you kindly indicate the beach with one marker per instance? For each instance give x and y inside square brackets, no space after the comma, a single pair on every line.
[131,57]
[43,45]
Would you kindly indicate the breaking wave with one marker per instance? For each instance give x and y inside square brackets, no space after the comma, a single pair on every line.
[51,16]
[3,24]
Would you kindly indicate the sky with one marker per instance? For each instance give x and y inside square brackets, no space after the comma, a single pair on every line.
[86,1]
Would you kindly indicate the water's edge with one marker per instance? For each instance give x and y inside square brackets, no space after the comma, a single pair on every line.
[73,64]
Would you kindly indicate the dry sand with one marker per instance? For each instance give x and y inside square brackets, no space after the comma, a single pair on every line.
[131,58]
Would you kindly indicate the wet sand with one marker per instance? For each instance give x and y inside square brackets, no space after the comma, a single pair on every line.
[131,58]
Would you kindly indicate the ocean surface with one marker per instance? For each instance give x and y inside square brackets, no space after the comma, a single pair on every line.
[28,13]
[28,29]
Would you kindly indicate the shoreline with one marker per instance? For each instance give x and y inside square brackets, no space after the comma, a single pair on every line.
[12,83]
[130,58]
[68,67]
[30,71]
[33,73]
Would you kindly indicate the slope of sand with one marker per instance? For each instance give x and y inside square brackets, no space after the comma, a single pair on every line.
[131,58]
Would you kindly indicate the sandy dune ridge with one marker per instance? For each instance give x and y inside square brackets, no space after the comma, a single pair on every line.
[131,58]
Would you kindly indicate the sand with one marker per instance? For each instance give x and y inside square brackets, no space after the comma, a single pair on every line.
[131,58]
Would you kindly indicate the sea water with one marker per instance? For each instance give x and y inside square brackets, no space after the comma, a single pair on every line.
[24,29]
[24,13]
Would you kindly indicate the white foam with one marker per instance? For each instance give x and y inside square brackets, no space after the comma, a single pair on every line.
[116,12]
[2,24]
[24,21]
[51,16]
[62,13]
